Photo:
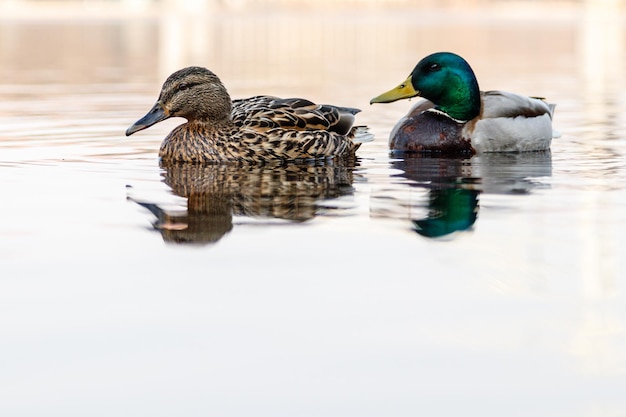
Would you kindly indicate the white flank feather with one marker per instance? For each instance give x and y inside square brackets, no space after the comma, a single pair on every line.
[519,134]
[499,131]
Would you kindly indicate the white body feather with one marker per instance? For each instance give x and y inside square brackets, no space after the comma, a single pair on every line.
[518,134]
[511,123]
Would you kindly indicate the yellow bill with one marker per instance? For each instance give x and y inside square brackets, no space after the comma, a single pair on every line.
[404,90]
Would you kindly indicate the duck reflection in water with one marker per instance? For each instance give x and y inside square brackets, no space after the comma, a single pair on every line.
[453,185]
[216,193]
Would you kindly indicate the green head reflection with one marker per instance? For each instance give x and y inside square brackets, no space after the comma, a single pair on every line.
[449,210]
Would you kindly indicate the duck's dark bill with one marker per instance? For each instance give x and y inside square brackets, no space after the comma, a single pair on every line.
[404,90]
[155,115]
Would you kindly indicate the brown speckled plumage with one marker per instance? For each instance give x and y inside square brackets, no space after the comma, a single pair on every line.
[253,130]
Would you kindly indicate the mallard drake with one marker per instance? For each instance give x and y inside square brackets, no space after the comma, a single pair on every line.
[257,129]
[457,117]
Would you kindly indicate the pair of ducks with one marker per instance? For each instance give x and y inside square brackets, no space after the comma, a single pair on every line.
[455,118]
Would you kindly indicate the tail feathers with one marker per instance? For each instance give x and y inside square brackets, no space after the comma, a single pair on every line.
[362,134]
[555,133]
[344,124]
[349,110]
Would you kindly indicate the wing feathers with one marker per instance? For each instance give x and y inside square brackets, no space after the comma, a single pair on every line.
[265,112]
[505,104]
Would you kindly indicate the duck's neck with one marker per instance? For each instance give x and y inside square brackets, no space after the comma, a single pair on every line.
[461,97]
[212,108]
[217,124]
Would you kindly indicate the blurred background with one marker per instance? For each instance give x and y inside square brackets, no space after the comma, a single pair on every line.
[295,47]
[141,40]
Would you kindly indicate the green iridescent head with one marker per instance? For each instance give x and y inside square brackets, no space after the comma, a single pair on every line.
[444,78]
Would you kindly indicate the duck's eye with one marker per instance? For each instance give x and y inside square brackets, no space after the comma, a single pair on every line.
[434,67]
[183,86]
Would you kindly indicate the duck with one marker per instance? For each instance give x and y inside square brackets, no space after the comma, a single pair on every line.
[258,129]
[455,117]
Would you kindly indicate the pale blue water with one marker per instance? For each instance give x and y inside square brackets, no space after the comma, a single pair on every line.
[487,286]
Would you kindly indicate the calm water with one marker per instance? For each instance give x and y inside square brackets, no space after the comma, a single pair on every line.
[488,286]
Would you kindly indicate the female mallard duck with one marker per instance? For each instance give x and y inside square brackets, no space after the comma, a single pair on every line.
[459,118]
[257,129]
